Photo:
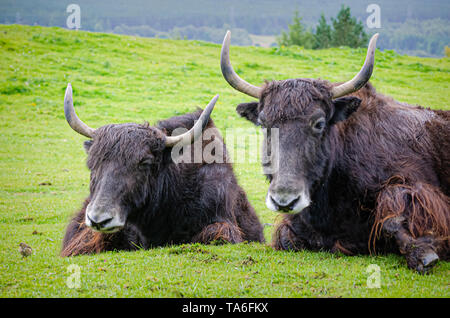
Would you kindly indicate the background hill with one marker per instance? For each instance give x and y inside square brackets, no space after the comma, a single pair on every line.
[117,79]
[413,27]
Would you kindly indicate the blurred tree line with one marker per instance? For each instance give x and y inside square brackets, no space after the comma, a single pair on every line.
[414,27]
[240,36]
[412,37]
[345,30]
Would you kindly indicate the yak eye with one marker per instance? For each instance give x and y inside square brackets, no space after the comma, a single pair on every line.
[319,125]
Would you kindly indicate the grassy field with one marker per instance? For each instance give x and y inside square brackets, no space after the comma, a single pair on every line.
[117,79]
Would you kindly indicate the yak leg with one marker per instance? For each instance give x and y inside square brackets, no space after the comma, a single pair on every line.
[420,253]
[416,215]
[292,233]
[285,238]
[219,231]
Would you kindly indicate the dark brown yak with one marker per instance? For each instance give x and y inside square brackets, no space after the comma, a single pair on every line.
[139,197]
[357,172]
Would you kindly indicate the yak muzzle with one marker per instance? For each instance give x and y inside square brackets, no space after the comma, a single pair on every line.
[103,222]
[287,203]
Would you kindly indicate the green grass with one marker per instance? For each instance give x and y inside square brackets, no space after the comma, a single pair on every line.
[120,79]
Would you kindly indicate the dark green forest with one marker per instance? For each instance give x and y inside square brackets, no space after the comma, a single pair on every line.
[344,30]
[408,26]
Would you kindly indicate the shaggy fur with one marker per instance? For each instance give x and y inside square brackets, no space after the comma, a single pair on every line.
[165,203]
[376,160]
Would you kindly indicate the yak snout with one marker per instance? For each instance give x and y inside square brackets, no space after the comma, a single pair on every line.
[106,220]
[287,200]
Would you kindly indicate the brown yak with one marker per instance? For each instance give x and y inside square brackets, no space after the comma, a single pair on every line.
[357,170]
[140,198]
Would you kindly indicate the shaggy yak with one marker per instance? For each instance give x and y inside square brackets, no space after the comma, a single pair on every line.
[358,171]
[139,197]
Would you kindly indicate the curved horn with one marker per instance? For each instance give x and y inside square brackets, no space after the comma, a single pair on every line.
[190,136]
[363,75]
[230,75]
[72,117]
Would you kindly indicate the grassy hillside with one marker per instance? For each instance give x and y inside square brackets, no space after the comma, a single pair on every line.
[117,79]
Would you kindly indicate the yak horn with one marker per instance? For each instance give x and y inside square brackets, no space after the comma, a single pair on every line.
[72,117]
[190,136]
[363,75]
[230,75]
[186,138]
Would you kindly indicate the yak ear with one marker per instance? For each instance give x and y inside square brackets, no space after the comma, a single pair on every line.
[87,145]
[249,111]
[344,107]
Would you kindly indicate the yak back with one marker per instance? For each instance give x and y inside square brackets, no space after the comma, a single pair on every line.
[384,138]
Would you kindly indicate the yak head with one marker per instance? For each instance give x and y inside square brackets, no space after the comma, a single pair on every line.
[125,161]
[304,112]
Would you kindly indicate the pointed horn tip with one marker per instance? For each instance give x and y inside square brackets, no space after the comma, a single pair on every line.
[374,38]
[227,37]
[213,101]
[68,93]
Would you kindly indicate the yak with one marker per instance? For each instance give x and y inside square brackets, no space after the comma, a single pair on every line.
[358,172]
[140,197]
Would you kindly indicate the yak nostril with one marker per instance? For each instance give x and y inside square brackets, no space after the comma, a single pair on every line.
[285,206]
[293,203]
[275,204]
[99,224]
[104,222]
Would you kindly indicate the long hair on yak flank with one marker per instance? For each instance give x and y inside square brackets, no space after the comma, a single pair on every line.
[85,241]
[220,232]
[421,204]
